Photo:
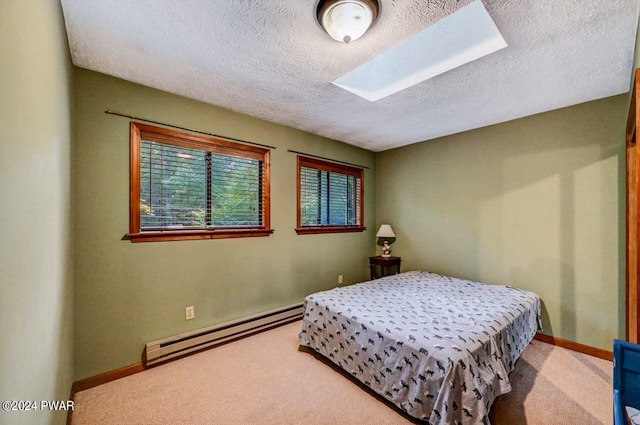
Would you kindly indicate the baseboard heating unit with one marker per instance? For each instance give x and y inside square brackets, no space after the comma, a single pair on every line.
[179,345]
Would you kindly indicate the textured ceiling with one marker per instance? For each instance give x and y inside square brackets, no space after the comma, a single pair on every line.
[270,59]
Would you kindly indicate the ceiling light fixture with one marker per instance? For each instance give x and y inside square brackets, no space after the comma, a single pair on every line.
[347,20]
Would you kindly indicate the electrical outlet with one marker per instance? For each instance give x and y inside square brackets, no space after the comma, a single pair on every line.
[340,279]
[190,312]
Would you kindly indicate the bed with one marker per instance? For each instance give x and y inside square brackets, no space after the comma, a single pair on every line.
[439,348]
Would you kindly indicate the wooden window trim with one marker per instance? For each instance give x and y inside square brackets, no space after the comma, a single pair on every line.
[329,229]
[632,287]
[183,235]
[318,164]
[178,138]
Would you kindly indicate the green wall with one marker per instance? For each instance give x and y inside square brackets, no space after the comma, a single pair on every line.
[35,272]
[129,294]
[537,203]
[636,61]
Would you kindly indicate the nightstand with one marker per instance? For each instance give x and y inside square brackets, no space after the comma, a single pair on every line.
[385,265]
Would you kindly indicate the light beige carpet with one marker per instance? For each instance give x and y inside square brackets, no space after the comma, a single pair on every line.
[265,379]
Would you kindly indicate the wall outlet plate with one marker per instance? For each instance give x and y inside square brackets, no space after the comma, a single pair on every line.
[340,279]
[190,312]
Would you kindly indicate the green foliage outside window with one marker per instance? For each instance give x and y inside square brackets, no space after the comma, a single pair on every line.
[191,188]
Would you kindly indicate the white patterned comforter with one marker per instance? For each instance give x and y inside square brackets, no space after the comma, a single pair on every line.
[439,348]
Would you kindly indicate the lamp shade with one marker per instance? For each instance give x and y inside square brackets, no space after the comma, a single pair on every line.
[385,231]
[347,20]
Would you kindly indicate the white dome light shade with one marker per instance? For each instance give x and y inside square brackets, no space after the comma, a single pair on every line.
[347,20]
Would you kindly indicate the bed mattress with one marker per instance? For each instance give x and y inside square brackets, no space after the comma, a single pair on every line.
[439,348]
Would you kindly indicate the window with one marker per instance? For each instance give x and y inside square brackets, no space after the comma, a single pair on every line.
[330,197]
[186,186]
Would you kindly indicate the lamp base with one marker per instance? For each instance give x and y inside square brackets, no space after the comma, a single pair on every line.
[386,255]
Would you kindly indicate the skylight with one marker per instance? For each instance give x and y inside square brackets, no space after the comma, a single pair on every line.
[460,38]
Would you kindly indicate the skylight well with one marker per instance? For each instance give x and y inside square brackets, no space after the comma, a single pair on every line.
[460,38]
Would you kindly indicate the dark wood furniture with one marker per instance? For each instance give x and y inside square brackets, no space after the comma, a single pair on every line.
[385,265]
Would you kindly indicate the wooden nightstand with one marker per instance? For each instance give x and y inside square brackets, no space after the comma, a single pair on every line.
[386,266]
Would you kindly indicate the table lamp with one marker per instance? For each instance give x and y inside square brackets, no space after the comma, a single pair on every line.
[387,237]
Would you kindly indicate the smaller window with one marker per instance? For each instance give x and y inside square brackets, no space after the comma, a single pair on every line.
[330,197]
[186,186]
